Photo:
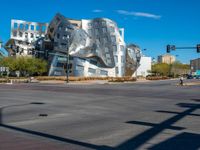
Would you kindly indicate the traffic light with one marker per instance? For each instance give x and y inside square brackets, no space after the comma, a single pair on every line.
[198,48]
[168,48]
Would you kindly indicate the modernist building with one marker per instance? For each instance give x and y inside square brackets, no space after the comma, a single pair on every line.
[168,59]
[195,65]
[144,67]
[96,47]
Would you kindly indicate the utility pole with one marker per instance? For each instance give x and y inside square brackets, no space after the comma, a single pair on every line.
[67,68]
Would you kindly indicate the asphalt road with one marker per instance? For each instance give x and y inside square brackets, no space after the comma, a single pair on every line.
[148,115]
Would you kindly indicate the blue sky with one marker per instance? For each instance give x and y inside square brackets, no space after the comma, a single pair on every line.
[152,24]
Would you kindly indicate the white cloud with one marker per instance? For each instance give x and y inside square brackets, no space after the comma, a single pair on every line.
[139,14]
[97,11]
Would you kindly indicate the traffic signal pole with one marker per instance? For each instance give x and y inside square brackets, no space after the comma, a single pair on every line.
[173,47]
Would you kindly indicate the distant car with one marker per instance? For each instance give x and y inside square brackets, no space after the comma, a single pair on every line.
[189,76]
[197,76]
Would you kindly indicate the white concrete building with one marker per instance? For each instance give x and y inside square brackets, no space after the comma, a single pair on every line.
[144,67]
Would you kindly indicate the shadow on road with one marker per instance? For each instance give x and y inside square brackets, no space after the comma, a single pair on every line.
[181,141]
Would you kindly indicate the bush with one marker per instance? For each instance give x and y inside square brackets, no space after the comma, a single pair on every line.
[157,78]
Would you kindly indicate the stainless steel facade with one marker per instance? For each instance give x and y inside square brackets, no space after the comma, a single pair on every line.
[96,47]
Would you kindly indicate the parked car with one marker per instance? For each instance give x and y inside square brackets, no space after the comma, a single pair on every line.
[189,76]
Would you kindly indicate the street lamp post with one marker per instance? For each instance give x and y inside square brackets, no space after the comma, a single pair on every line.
[67,68]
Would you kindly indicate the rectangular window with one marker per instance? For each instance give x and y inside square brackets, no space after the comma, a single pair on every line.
[91,70]
[79,68]
[114,48]
[122,59]
[116,58]
[116,70]
[104,30]
[109,61]
[96,32]
[44,28]
[107,55]
[15,25]
[103,23]
[103,72]
[21,26]
[26,27]
[112,29]
[38,28]
[105,40]
[90,31]
[32,27]
[94,62]
[122,48]
[113,39]
[106,50]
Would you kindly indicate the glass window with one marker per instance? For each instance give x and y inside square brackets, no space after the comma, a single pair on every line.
[27,27]
[103,23]
[107,55]
[21,26]
[122,48]
[32,27]
[91,70]
[104,30]
[103,72]
[106,50]
[79,68]
[116,70]
[105,40]
[94,62]
[96,32]
[38,28]
[44,28]
[122,59]
[116,58]
[114,48]
[112,29]
[109,61]
[20,34]
[113,39]
[15,25]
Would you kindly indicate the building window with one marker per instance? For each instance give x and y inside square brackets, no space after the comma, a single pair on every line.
[116,58]
[113,39]
[117,70]
[122,48]
[104,30]
[112,29]
[94,62]
[107,55]
[15,25]
[27,27]
[122,59]
[32,35]
[103,72]
[114,48]
[20,34]
[105,40]
[32,27]
[58,35]
[21,26]
[109,61]
[14,33]
[106,50]
[103,23]
[44,28]
[91,70]
[38,28]
[89,24]
[79,68]
[96,32]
